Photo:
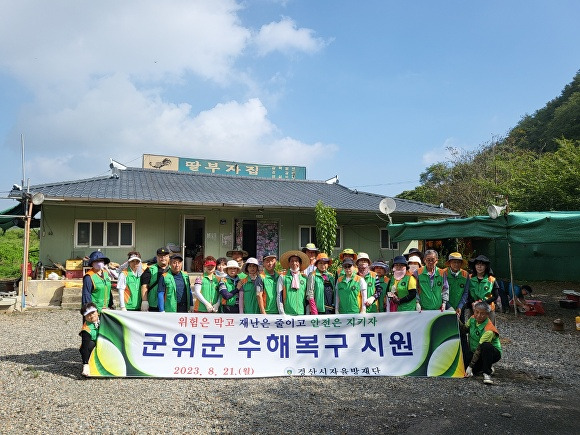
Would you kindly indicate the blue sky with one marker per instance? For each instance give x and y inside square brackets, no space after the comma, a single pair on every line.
[371,91]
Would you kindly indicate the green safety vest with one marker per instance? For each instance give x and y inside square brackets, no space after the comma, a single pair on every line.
[431,298]
[456,286]
[229,282]
[101,289]
[171,291]
[250,298]
[269,294]
[480,290]
[132,293]
[294,300]
[370,280]
[152,286]
[402,290]
[209,290]
[319,289]
[384,282]
[349,298]
[476,331]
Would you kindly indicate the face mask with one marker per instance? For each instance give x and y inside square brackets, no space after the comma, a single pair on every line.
[399,274]
[413,267]
[363,268]
[98,265]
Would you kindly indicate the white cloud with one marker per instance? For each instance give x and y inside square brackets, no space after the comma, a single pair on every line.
[284,36]
[440,154]
[98,74]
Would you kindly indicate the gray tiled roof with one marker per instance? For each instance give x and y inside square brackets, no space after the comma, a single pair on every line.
[136,185]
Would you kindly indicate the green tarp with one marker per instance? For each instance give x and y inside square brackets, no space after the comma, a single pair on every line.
[545,245]
[7,222]
[518,227]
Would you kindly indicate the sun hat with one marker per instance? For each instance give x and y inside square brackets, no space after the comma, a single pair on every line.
[310,247]
[232,264]
[97,256]
[347,251]
[363,256]
[414,251]
[456,256]
[251,260]
[379,264]
[305,261]
[400,259]
[414,259]
[237,249]
[134,257]
[323,257]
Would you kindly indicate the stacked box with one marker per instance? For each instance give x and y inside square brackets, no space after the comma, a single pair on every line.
[74,264]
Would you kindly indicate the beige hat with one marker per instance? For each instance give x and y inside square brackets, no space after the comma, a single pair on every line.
[363,256]
[414,259]
[232,264]
[304,260]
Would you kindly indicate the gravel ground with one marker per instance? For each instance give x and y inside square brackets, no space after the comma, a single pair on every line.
[536,390]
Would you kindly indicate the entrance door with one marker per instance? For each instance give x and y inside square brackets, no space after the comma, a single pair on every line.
[258,237]
[193,240]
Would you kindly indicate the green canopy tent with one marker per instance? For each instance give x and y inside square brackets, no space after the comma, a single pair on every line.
[13,217]
[544,243]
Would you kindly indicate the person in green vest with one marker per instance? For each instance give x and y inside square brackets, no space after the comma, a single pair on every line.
[432,287]
[227,287]
[97,282]
[363,264]
[206,289]
[128,285]
[291,288]
[483,348]
[458,281]
[482,286]
[251,288]
[150,279]
[346,253]
[402,287]
[88,334]
[270,280]
[380,268]
[320,287]
[351,291]
[174,288]
[238,254]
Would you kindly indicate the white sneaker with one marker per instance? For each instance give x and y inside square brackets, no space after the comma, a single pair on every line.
[86,370]
[487,379]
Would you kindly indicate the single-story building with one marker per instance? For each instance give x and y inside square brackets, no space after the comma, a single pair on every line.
[209,214]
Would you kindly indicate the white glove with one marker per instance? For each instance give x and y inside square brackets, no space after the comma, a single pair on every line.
[191,309]
[144,306]
[469,372]
[370,301]
[216,307]
[209,307]
[123,309]
[86,370]
[418,307]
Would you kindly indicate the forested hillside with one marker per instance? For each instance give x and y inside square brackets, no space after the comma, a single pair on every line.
[536,166]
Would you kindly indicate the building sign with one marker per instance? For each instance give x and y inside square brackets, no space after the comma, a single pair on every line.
[221,167]
[184,345]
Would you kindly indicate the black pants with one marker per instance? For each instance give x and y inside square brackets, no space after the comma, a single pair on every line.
[489,355]
[87,346]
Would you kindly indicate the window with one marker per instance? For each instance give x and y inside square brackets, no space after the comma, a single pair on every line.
[386,241]
[99,234]
[308,235]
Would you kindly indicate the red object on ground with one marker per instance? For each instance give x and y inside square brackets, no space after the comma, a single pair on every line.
[536,308]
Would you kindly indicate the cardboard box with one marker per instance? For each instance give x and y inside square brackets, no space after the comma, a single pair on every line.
[74,264]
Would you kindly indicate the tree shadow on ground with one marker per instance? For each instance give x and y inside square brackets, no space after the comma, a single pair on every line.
[65,362]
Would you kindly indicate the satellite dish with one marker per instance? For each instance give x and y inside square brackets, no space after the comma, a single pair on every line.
[387,205]
[37,198]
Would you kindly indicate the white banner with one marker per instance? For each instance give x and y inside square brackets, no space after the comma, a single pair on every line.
[236,346]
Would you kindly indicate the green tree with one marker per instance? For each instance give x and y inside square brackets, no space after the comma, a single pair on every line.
[325,228]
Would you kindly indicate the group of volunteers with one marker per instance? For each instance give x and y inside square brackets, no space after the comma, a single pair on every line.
[241,285]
